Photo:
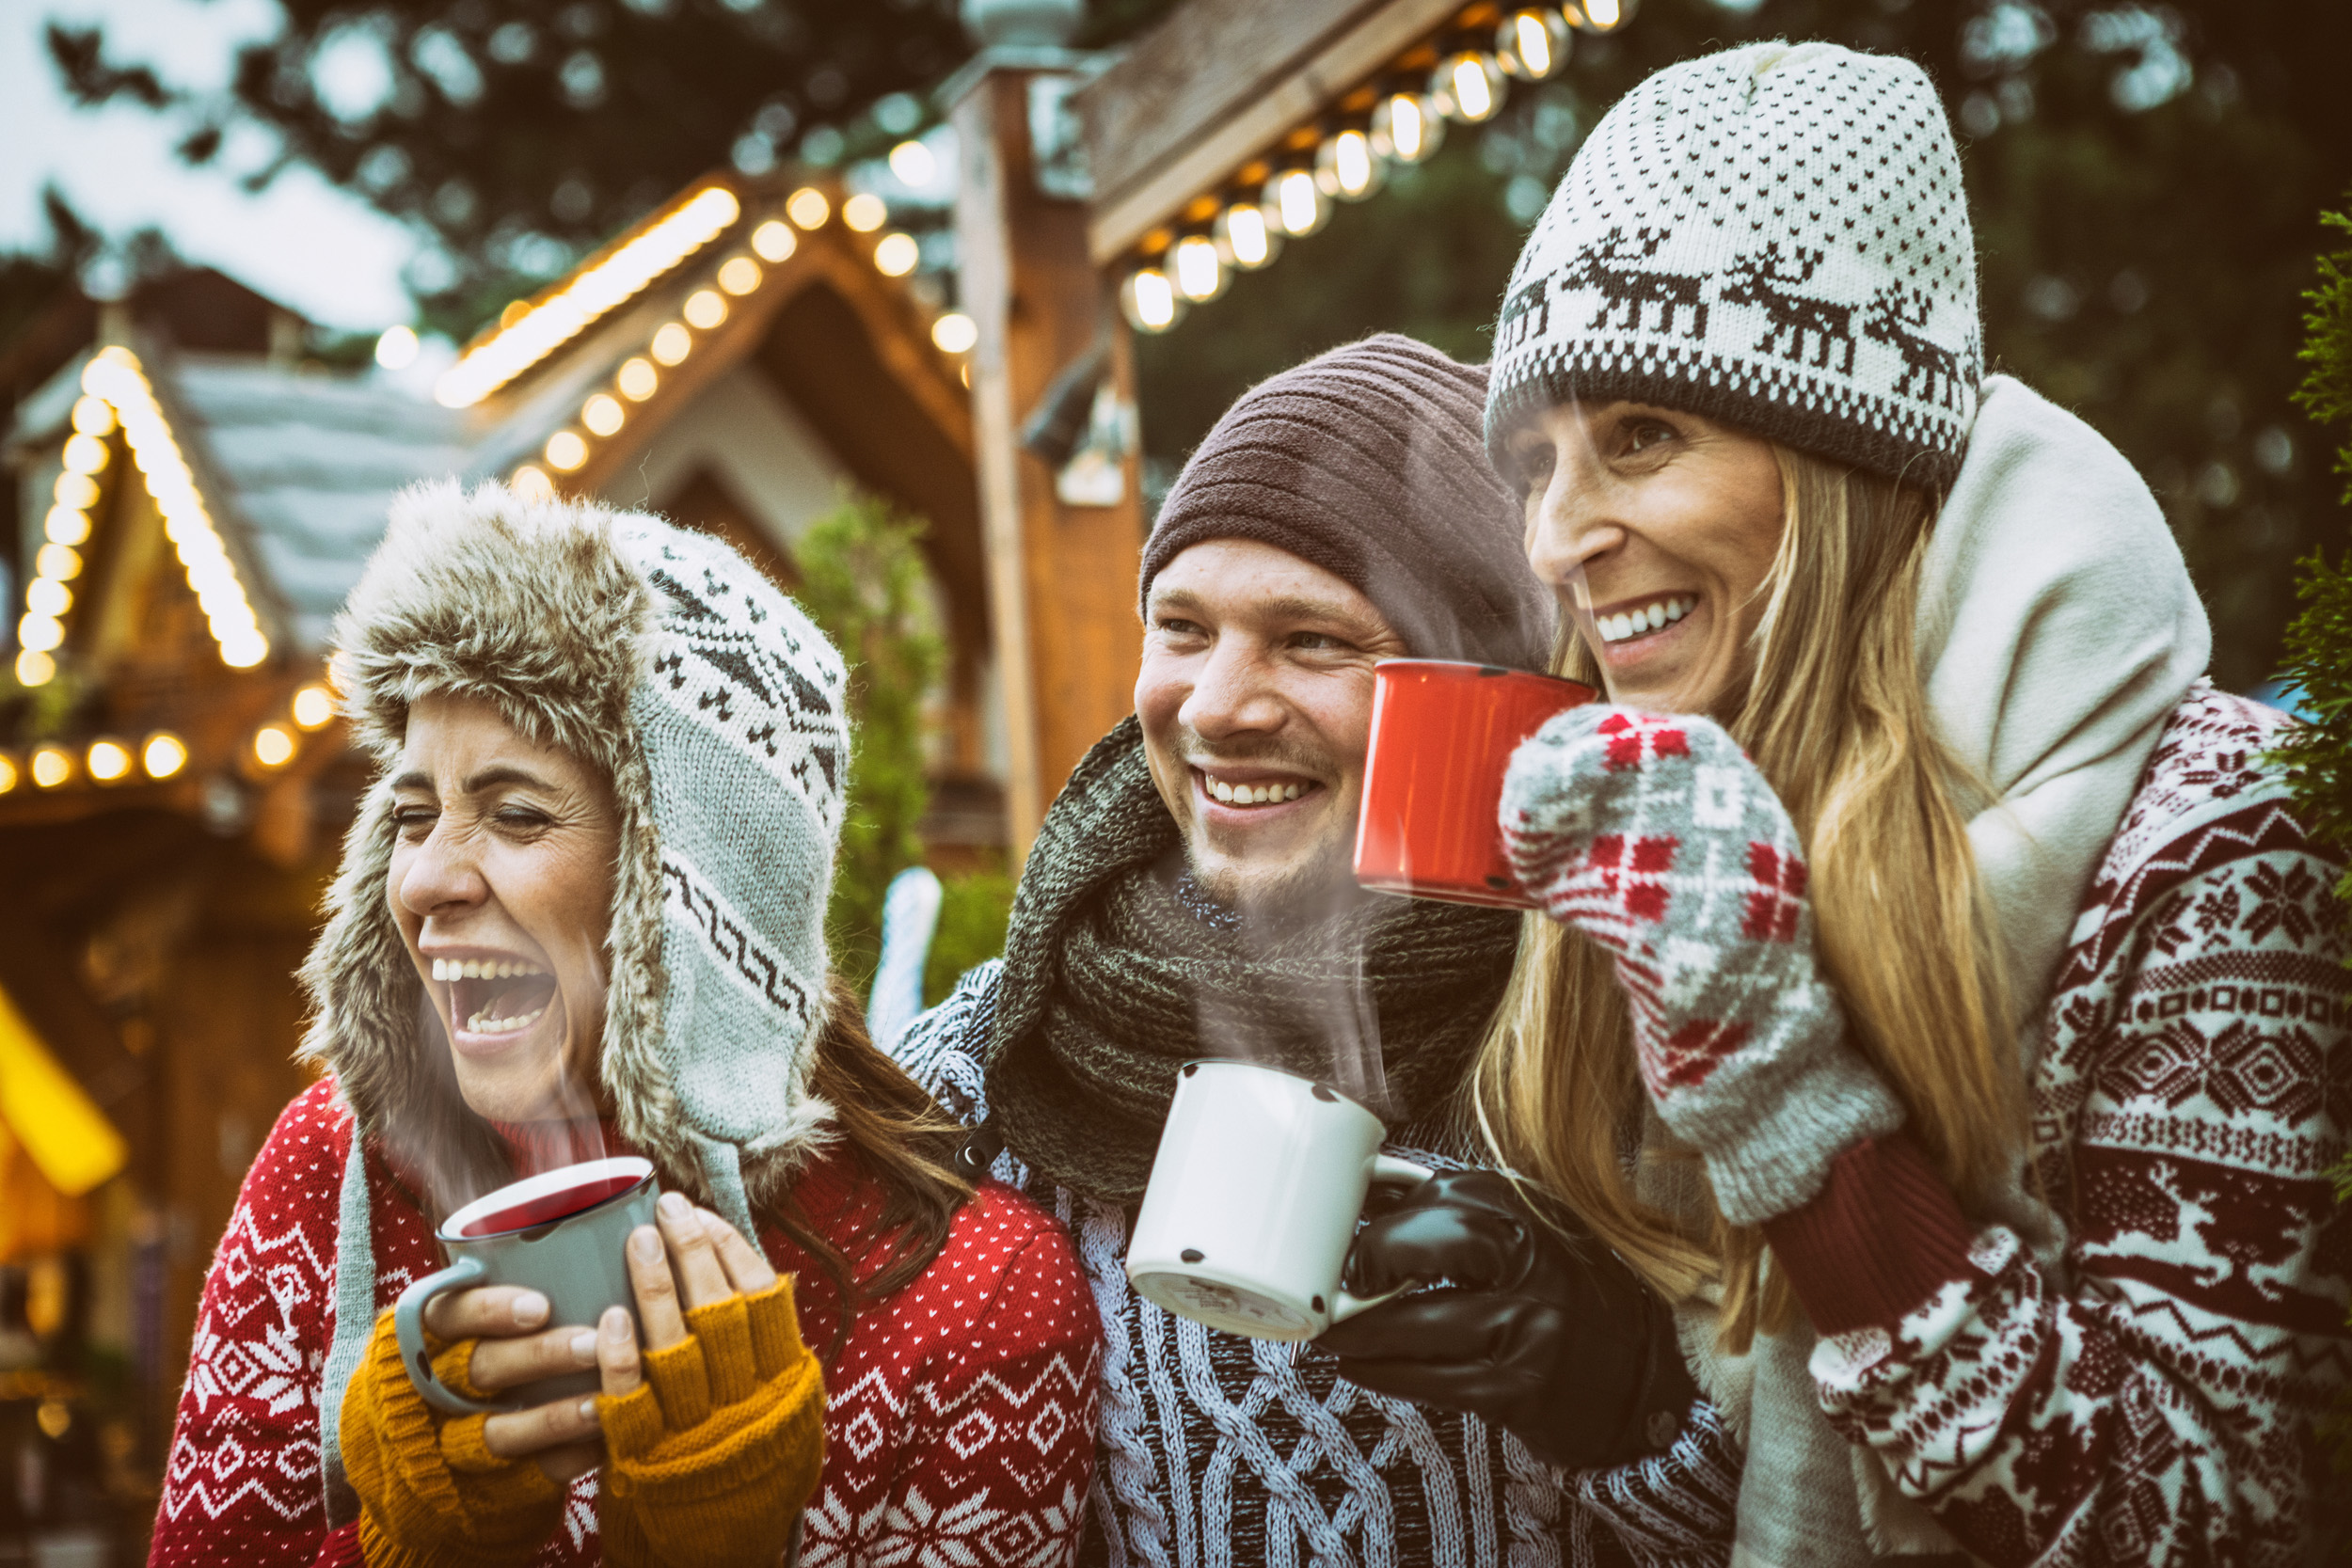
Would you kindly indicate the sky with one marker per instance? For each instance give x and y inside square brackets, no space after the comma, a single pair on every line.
[311,248]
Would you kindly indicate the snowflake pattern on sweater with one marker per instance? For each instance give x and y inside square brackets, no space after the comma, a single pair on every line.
[1220,1452]
[2150,1399]
[959,1418]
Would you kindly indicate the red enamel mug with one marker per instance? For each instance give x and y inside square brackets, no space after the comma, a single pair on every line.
[1442,735]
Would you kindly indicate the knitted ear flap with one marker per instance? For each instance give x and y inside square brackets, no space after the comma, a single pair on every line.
[1776,237]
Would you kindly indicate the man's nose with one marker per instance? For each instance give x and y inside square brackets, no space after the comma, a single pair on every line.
[443,877]
[1233,693]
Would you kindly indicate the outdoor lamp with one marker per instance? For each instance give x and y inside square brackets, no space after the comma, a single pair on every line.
[1532,44]
[1467,86]
[1149,300]
[1347,166]
[1599,16]
[1199,272]
[1245,237]
[1406,127]
[1296,201]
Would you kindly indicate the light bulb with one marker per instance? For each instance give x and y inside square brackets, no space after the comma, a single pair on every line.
[38,632]
[774,241]
[66,525]
[896,255]
[672,344]
[272,746]
[602,413]
[706,309]
[93,416]
[163,755]
[86,454]
[1346,166]
[1151,301]
[1599,16]
[912,162]
[59,560]
[1296,201]
[79,491]
[48,597]
[531,482]
[955,333]
[7,764]
[52,766]
[566,450]
[809,207]
[740,274]
[397,350]
[1467,86]
[865,211]
[1199,275]
[313,705]
[1245,237]
[1532,44]
[637,380]
[107,760]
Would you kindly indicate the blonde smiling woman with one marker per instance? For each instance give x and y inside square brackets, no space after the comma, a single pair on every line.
[1933,931]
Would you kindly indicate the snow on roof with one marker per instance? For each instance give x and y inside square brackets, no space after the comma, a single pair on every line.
[312,460]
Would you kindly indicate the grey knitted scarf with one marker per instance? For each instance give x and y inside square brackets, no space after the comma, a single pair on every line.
[1117,973]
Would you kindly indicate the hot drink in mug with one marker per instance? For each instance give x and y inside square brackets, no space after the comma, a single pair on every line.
[562,1233]
[1255,1193]
[1442,735]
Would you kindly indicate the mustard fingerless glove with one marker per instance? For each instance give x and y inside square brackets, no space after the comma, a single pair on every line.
[430,1490]
[712,1458]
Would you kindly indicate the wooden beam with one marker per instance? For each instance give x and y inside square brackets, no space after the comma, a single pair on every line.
[1061,578]
[1222,82]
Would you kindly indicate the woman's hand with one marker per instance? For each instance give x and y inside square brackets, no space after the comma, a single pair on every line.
[1658,838]
[1558,1343]
[511,1347]
[715,1431]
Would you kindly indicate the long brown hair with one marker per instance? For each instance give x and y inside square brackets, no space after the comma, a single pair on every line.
[1833,711]
[901,1141]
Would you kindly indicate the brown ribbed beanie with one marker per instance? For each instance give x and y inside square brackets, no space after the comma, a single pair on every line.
[1371,462]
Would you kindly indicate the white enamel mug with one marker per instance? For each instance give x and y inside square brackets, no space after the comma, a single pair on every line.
[1260,1180]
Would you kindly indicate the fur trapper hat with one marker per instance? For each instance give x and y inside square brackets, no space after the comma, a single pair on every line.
[664,660]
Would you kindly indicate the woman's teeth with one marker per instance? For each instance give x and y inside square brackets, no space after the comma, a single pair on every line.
[482,1023]
[1636,623]
[1251,795]
[480,969]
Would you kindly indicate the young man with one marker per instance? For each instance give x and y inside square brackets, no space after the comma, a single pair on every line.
[1189,895]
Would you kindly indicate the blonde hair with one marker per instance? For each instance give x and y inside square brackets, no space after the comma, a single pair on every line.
[1834,712]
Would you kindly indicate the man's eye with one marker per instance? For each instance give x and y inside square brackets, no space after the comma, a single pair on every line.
[1644,434]
[1318,641]
[1535,462]
[1174,628]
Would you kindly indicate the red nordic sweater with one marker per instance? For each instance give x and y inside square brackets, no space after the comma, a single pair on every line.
[959,1419]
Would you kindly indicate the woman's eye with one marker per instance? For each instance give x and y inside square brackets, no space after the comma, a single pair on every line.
[1644,434]
[414,821]
[522,819]
[1534,462]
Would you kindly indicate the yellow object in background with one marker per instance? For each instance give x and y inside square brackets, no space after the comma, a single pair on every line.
[45,1116]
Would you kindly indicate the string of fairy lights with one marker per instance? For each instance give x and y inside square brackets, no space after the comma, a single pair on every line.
[531,330]
[1402,120]
[162,754]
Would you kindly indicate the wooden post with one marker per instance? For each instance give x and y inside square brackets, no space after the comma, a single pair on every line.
[1062,579]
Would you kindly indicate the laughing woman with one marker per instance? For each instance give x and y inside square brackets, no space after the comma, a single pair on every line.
[581,912]
[1914,888]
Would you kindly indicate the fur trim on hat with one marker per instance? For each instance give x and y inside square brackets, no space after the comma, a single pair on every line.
[664,661]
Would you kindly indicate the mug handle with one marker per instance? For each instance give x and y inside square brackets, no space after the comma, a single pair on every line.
[409,1325]
[1387,1169]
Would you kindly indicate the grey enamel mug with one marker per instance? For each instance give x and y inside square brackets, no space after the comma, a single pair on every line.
[564,1233]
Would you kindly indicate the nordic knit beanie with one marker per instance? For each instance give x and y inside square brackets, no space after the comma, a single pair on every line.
[1369,462]
[663,660]
[1774,236]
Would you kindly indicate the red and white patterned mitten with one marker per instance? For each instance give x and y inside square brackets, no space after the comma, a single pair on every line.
[1658,838]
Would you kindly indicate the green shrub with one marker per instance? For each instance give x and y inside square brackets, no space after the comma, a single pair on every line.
[2318,753]
[862,581]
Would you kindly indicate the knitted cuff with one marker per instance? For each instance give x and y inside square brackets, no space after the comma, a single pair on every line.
[1770,1142]
[1880,1237]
